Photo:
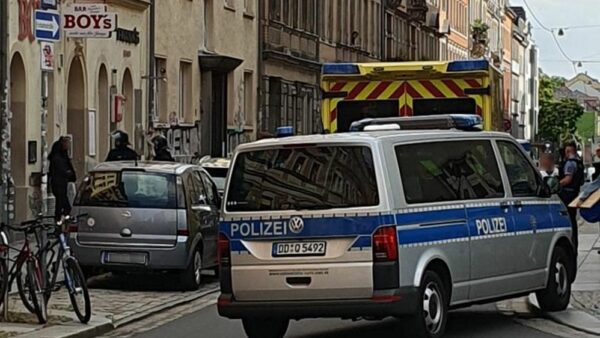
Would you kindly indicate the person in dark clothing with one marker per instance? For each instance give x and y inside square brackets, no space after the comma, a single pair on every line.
[572,177]
[61,173]
[121,151]
[161,149]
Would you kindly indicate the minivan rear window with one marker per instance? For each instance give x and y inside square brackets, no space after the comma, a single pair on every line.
[128,189]
[303,178]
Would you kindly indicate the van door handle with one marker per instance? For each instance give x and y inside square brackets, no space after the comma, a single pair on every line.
[505,206]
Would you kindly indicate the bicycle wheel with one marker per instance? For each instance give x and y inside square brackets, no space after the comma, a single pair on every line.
[3,280]
[35,281]
[78,290]
[23,286]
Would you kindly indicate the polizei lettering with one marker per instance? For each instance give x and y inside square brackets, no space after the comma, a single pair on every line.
[490,226]
[255,229]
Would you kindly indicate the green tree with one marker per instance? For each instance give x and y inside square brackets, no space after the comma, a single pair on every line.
[557,118]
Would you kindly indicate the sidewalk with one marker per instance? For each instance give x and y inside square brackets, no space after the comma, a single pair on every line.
[116,301]
[586,289]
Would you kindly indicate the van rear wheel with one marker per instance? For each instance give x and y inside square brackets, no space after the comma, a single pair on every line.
[265,328]
[432,312]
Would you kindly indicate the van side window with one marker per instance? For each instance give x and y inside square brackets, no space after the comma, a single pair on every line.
[211,190]
[449,171]
[523,178]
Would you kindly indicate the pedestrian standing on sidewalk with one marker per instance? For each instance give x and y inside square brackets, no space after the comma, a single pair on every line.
[161,149]
[61,173]
[547,166]
[571,179]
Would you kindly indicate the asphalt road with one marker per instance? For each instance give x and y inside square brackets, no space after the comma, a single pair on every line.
[480,321]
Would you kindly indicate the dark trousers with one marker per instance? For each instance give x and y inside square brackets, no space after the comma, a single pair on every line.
[567,197]
[63,207]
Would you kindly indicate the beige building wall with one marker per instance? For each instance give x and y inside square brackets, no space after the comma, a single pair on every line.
[73,91]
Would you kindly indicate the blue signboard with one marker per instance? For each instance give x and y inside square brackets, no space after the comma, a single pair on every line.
[47,25]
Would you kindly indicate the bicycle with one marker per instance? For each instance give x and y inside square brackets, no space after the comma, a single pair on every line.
[57,251]
[32,285]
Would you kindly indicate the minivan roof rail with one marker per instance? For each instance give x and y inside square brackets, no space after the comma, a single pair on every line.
[463,122]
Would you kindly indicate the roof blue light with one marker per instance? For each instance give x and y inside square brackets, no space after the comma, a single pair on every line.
[285,131]
[340,68]
[426,122]
[466,66]
[466,122]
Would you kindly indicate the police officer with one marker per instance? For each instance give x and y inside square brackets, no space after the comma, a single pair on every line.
[121,151]
[572,177]
[161,149]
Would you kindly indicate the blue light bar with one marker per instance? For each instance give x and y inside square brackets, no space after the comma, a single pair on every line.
[428,122]
[467,66]
[340,68]
[285,131]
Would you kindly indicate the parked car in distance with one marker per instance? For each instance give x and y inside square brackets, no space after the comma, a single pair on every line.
[217,167]
[148,216]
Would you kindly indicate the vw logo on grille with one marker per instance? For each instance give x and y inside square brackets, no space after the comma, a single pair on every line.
[296,224]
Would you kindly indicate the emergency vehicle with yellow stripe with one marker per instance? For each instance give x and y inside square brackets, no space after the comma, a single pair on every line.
[353,91]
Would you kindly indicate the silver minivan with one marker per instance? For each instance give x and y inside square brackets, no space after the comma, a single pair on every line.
[387,223]
[148,216]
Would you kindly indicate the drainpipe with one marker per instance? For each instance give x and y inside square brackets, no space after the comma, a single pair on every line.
[261,67]
[4,114]
[151,67]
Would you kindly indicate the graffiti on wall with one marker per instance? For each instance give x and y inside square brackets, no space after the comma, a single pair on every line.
[184,141]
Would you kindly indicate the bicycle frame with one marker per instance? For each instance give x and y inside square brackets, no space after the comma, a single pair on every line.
[56,258]
[24,253]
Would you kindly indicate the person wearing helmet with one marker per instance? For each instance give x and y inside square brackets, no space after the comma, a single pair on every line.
[161,149]
[121,151]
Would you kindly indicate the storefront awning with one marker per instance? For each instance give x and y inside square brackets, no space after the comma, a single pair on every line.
[218,63]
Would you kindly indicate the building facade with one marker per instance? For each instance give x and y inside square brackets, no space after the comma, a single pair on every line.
[78,91]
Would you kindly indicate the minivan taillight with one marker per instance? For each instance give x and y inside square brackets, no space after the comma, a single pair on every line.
[224,252]
[385,245]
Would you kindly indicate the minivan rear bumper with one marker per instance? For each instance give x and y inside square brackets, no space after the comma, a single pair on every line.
[389,303]
[171,258]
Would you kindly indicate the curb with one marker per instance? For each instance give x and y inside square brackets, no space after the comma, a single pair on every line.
[571,317]
[100,325]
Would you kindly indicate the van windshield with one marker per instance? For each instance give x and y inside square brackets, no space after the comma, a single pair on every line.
[128,189]
[303,178]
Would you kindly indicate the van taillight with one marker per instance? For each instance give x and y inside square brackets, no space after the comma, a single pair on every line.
[223,253]
[385,245]
[183,232]
[73,227]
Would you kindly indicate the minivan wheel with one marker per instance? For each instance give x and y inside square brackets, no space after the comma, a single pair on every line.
[265,328]
[191,278]
[557,294]
[432,312]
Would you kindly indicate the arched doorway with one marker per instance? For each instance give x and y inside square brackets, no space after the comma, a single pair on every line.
[76,116]
[18,136]
[103,114]
[127,88]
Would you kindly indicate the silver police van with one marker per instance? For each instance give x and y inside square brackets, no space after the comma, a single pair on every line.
[382,223]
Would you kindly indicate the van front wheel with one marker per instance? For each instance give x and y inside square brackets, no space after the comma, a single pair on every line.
[265,328]
[557,294]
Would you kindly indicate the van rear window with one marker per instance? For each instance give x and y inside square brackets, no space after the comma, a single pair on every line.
[303,178]
[128,189]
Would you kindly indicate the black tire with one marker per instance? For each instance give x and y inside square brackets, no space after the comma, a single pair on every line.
[557,294]
[3,280]
[23,286]
[432,312]
[265,328]
[78,290]
[35,287]
[191,277]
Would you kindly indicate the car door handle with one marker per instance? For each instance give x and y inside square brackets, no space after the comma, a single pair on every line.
[505,206]
[518,205]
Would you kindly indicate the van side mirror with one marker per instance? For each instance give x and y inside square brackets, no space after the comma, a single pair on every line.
[553,184]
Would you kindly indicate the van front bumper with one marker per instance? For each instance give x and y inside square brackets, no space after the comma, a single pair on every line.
[389,303]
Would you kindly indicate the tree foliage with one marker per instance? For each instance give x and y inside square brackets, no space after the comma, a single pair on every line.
[557,119]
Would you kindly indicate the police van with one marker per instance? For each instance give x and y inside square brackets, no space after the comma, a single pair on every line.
[395,219]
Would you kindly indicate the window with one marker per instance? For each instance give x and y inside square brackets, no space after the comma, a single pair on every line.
[449,171]
[442,106]
[161,89]
[249,7]
[212,196]
[248,95]
[185,90]
[275,10]
[128,189]
[523,178]
[268,179]
[196,189]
